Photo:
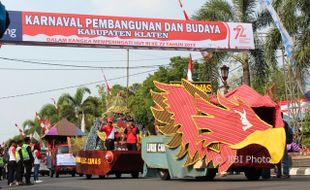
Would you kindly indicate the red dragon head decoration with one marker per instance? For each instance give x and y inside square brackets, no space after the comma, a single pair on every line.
[209,131]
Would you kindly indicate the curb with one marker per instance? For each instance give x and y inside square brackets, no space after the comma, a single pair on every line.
[299,171]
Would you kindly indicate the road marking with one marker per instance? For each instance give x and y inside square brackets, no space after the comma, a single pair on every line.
[293,171]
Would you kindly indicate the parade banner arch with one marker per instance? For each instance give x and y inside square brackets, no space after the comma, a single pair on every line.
[75,30]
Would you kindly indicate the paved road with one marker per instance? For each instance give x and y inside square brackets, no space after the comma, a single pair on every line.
[236,182]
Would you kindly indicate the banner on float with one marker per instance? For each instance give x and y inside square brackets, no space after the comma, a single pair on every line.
[78,30]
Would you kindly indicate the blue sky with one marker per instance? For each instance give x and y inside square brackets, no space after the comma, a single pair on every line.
[19,109]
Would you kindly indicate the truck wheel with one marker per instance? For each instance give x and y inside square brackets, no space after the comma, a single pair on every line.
[88,176]
[135,174]
[211,173]
[73,174]
[81,175]
[101,176]
[252,174]
[57,175]
[118,174]
[266,174]
[164,174]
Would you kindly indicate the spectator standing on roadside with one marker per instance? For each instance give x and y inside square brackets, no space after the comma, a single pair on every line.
[27,159]
[11,163]
[19,163]
[2,163]
[285,163]
[37,160]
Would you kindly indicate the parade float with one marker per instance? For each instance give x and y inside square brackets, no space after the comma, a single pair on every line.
[200,135]
[95,160]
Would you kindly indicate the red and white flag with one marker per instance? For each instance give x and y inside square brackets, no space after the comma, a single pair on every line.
[44,124]
[106,83]
[184,12]
[20,130]
[204,53]
[189,75]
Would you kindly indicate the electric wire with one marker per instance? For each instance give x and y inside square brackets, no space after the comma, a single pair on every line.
[69,87]
[78,66]
[97,61]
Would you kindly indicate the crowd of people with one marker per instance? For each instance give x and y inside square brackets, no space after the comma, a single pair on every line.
[20,158]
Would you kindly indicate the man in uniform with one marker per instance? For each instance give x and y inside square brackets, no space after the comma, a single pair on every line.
[27,159]
[19,163]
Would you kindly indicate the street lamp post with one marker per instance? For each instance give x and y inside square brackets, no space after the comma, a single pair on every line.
[224,73]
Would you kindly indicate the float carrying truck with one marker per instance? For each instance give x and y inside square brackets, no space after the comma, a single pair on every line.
[200,134]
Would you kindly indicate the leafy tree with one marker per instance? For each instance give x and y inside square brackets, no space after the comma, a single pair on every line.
[34,126]
[140,100]
[74,107]
[50,112]
[295,16]
[306,130]
[239,11]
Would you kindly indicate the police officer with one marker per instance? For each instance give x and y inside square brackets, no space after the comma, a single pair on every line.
[27,159]
[19,163]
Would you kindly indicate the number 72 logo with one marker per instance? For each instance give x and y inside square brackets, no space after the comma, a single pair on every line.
[239,32]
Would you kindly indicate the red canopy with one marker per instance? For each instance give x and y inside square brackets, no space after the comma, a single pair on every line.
[250,96]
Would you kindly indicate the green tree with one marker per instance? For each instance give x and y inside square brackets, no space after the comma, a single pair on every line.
[239,11]
[74,107]
[295,16]
[33,126]
[50,112]
[140,99]
[306,130]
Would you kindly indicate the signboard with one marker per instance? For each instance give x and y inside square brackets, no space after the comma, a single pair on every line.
[204,86]
[155,147]
[95,162]
[37,28]
[65,160]
[301,105]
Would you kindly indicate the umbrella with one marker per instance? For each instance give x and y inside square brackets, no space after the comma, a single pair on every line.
[64,128]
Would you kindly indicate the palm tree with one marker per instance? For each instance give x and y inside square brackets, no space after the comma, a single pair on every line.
[239,11]
[50,112]
[76,107]
[295,16]
[33,126]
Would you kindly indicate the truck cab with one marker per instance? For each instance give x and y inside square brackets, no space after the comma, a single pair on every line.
[62,161]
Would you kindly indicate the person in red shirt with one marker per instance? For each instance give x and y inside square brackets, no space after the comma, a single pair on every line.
[110,134]
[12,163]
[131,133]
[37,161]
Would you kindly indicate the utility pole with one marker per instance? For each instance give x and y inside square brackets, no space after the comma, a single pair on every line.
[127,93]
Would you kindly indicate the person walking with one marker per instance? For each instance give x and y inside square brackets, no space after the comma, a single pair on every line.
[27,159]
[110,134]
[131,133]
[19,163]
[11,163]
[37,160]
